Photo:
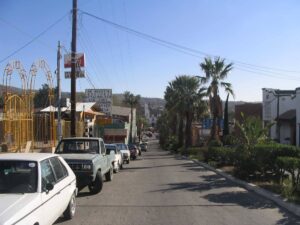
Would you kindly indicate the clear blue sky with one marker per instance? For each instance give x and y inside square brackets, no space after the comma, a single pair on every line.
[265,33]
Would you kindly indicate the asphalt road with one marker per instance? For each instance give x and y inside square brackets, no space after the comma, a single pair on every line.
[160,189]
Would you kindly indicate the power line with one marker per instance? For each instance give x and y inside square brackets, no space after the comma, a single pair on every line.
[33,39]
[184,49]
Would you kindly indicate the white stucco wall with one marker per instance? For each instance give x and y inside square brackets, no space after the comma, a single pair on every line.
[286,103]
[297,100]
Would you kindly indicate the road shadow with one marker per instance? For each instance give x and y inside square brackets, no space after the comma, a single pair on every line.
[244,199]
[152,167]
[207,182]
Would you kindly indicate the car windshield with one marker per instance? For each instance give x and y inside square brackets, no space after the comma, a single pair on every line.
[122,146]
[77,146]
[18,176]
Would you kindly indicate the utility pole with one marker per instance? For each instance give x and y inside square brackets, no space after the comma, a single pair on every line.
[59,130]
[73,69]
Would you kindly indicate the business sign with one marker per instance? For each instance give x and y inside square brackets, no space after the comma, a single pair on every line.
[208,123]
[103,121]
[103,97]
[79,74]
[80,60]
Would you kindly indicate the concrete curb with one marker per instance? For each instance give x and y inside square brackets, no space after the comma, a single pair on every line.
[291,207]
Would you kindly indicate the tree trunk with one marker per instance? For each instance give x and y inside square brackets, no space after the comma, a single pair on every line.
[130,130]
[226,119]
[180,131]
[188,130]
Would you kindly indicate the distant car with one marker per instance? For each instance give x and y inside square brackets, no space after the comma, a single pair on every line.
[116,157]
[144,147]
[125,152]
[134,152]
[35,188]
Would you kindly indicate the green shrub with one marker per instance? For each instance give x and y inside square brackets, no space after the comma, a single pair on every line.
[215,143]
[266,156]
[221,155]
[198,152]
[292,166]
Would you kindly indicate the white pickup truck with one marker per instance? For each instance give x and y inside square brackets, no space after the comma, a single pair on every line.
[87,158]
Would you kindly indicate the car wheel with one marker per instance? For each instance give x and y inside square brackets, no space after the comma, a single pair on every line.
[69,213]
[96,186]
[109,175]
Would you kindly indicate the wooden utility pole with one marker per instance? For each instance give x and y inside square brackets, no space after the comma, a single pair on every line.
[73,69]
[59,130]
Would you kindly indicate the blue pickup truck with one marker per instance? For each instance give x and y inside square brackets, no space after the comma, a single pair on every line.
[87,158]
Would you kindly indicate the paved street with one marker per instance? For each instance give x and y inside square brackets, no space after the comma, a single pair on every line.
[160,189]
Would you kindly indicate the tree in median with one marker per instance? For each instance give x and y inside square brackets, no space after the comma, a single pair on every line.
[184,98]
[216,72]
[131,100]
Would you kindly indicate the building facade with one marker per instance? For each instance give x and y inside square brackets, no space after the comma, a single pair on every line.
[283,108]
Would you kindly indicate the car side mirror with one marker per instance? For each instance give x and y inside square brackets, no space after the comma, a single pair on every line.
[49,187]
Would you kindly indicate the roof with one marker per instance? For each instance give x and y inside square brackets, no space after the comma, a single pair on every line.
[280,92]
[121,111]
[80,106]
[90,111]
[288,115]
[26,156]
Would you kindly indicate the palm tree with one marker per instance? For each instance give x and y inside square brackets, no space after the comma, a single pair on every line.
[215,72]
[182,96]
[131,100]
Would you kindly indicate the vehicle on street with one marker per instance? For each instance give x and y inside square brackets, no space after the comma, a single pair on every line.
[35,188]
[124,151]
[115,156]
[144,146]
[87,158]
[134,152]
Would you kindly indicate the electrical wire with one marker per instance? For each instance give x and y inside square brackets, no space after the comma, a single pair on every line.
[187,50]
[34,39]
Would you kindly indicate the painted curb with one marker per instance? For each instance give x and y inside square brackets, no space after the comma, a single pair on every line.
[291,207]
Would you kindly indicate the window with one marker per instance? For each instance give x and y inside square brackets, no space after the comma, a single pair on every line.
[47,174]
[59,169]
[102,147]
[18,176]
[77,146]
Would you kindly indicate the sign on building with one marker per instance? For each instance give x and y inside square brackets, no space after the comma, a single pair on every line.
[80,60]
[79,74]
[102,96]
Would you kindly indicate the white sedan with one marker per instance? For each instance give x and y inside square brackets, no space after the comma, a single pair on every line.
[35,188]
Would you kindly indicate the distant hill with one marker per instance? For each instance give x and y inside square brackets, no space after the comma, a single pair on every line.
[154,103]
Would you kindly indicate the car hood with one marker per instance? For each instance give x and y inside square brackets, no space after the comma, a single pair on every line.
[15,206]
[124,151]
[78,156]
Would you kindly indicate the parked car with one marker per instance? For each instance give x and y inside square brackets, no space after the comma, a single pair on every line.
[124,151]
[138,148]
[87,158]
[35,188]
[115,156]
[144,146]
[134,152]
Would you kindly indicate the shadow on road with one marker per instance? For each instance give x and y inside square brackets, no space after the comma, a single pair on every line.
[208,182]
[151,167]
